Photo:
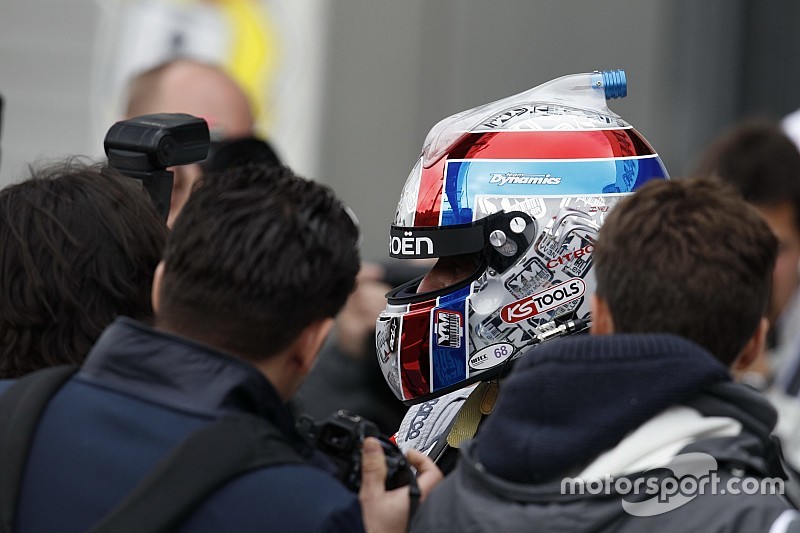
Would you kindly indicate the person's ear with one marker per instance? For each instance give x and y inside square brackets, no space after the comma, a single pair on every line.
[309,343]
[602,320]
[288,369]
[754,350]
[155,292]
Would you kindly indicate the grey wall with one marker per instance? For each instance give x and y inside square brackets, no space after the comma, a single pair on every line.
[45,77]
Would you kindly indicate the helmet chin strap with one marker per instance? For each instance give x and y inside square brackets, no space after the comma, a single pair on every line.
[479,404]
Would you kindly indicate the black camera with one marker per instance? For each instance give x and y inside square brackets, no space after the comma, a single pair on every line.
[238,152]
[143,147]
[340,436]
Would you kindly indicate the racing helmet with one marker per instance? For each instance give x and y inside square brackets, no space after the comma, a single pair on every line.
[514,193]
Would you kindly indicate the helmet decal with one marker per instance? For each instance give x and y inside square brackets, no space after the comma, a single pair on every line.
[449,342]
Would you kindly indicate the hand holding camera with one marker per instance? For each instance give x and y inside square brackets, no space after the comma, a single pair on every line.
[341,436]
[370,464]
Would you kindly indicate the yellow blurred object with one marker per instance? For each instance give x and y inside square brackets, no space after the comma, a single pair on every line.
[253,58]
[252,55]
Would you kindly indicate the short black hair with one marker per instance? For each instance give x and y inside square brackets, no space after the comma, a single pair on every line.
[80,245]
[256,255]
[688,257]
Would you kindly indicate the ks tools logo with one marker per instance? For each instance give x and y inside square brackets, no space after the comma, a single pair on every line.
[543,301]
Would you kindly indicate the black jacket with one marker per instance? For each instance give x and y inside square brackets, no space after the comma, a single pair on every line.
[139,394]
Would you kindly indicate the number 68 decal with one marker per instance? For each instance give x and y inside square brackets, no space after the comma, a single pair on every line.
[491,356]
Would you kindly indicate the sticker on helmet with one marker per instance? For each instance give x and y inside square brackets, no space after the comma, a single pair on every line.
[489,205]
[570,257]
[386,337]
[522,179]
[448,328]
[491,356]
[547,245]
[532,276]
[580,263]
[543,301]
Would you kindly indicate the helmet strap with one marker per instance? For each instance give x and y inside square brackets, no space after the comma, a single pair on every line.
[479,403]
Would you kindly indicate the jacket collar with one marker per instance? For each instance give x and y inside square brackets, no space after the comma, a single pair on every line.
[181,373]
[733,435]
[756,449]
[571,398]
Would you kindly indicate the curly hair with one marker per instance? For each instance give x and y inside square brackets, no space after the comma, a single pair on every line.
[80,245]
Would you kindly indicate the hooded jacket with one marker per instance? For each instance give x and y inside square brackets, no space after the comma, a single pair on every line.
[610,433]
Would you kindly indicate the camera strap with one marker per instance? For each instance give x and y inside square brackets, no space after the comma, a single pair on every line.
[20,409]
[172,490]
[182,481]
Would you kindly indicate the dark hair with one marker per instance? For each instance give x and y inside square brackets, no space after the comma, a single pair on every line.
[688,257]
[759,160]
[240,151]
[80,245]
[255,256]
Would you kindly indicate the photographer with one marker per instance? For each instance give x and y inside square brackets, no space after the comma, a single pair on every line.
[256,267]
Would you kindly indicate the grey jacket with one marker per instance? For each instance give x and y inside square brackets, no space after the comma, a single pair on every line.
[470,500]
[670,445]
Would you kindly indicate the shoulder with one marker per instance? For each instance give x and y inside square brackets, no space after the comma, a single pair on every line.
[287,497]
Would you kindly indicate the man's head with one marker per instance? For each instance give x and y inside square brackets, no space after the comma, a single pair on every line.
[202,90]
[256,255]
[763,164]
[687,257]
[508,197]
[80,244]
